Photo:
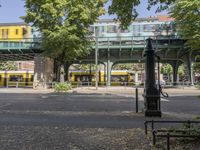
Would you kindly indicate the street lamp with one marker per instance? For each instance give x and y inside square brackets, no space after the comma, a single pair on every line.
[96,59]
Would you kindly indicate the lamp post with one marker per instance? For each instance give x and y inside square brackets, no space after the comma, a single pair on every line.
[151,93]
[96,60]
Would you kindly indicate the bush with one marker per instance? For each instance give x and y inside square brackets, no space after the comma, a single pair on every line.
[62,87]
[198,86]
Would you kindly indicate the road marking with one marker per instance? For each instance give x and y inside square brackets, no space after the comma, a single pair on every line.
[5,105]
[164,100]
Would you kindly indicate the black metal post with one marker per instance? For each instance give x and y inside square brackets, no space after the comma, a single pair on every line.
[145,124]
[151,92]
[154,137]
[168,141]
[136,98]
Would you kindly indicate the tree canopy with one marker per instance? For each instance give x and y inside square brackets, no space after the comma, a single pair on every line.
[126,9]
[187,17]
[64,25]
[8,65]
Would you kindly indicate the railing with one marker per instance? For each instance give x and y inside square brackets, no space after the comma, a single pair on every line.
[18,84]
[89,84]
[26,43]
[172,133]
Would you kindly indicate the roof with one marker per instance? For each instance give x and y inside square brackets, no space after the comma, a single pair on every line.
[165,18]
[161,18]
[14,24]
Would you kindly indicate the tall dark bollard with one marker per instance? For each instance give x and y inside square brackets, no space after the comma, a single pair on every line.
[151,93]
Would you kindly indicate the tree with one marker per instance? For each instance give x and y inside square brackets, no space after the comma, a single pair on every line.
[186,14]
[167,69]
[64,25]
[196,67]
[8,65]
[84,67]
[126,11]
[182,70]
[128,66]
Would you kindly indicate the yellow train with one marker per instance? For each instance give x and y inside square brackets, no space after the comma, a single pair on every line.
[16,78]
[117,77]
[25,78]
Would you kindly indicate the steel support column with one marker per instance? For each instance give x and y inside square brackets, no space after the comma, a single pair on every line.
[190,68]
[175,66]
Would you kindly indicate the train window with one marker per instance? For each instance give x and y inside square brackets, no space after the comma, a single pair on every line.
[111,29]
[119,78]
[16,78]
[149,27]
[0,77]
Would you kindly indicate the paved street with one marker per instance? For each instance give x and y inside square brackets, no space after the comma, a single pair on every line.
[86,118]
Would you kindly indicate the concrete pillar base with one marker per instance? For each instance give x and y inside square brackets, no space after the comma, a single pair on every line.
[43,72]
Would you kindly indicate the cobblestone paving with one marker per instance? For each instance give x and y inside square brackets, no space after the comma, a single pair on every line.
[65,138]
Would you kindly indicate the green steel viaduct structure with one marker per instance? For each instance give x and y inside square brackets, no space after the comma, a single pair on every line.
[109,51]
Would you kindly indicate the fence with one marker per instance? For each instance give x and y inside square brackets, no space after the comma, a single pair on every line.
[172,133]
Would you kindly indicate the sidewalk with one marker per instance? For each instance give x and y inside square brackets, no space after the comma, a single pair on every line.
[102,90]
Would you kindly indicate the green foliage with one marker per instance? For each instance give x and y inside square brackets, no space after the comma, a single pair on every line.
[126,9]
[196,67]
[198,87]
[62,87]
[186,14]
[182,70]
[64,25]
[84,67]
[166,69]
[8,65]
[133,67]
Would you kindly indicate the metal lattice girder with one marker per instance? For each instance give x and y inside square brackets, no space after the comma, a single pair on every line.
[16,57]
[135,44]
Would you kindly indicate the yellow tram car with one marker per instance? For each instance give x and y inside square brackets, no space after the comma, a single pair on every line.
[118,77]
[25,78]
[16,78]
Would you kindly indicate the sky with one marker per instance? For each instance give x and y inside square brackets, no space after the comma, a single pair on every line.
[11,10]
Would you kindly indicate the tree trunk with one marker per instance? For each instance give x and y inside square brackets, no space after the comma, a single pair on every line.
[56,71]
[67,65]
[62,73]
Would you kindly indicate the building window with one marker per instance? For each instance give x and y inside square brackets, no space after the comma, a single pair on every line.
[139,77]
[7,32]
[2,33]
[16,31]
[112,29]
[24,32]
[20,65]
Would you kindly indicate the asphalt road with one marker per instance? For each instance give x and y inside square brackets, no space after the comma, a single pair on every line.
[87,120]
[88,110]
